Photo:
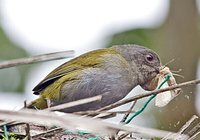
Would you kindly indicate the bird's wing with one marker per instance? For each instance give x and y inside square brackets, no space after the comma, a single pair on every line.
[91,59]
[112,81]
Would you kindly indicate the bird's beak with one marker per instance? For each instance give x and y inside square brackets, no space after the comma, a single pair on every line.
[158,69]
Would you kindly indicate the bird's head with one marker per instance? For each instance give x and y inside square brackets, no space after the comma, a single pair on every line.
[144,62]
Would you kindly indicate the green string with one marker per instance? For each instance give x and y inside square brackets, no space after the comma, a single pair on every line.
[148,101]
[83,133]
[94,138]
[134,115]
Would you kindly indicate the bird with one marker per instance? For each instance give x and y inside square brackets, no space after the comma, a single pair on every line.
[110,72]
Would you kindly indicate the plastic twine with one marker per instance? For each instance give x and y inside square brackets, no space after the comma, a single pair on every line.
[148,101]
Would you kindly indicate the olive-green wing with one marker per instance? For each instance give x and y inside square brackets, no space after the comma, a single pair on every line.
[90,59]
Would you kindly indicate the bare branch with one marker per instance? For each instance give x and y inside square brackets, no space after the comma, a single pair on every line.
[27,125]
[134,98]
[49,132]
[72,122]
[191,128]
[47,118]
[128,112]
[37,58]
[122,136]
[75,103]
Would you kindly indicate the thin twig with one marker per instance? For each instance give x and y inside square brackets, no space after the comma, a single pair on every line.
[124,119]
[120,112]
[27,125]
[75,103]
[48,133]
[166,64]
[194,136]
[128,112]
[105,115]
[134,98]
[47,118]
[37,58]
[122,136]
[193,119]
[109,114]
[191,129]
[10,124]
[69,121]
[63,106]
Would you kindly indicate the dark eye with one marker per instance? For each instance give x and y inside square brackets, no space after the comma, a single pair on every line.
[149,57]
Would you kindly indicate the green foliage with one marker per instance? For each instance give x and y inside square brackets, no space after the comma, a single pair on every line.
[136,36]
[13,79]
[11,136]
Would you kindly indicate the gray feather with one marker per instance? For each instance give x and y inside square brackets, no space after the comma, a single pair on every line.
[112,81]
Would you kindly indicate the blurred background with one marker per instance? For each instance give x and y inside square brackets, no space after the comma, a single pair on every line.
[170,27]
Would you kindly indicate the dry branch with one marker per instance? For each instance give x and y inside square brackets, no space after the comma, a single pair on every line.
[72,122]
[47,133]
[37,58]
[128,112]
[75,103]
[191,129]
[134,98]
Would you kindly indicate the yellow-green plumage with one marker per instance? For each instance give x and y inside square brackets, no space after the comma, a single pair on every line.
[90,59]
[52,92]
[68,71]
[111,72]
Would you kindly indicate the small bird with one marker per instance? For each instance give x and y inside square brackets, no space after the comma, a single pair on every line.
[111,72]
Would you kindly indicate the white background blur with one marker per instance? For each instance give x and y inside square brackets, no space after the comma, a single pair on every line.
[42,26]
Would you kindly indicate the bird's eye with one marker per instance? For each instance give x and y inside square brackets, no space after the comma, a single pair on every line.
[149,57]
